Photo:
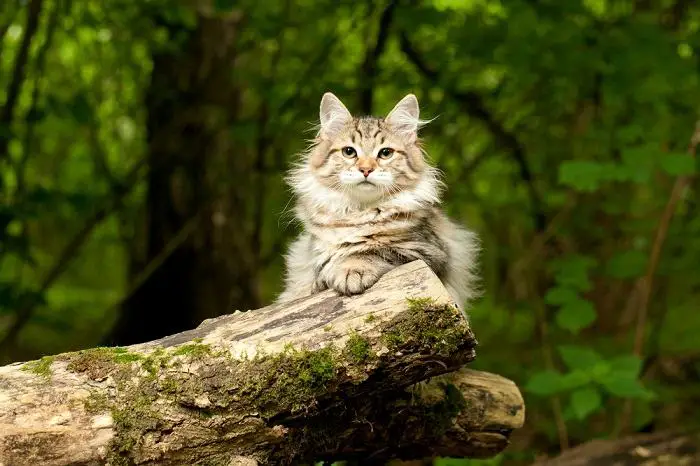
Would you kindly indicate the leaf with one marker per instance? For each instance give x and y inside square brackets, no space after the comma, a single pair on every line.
[630,365]
[627,264]
[559,296]
[624,386]
[579,357]
[545,383]
[677,164]
[585,401]
[581,175]
[642,415]
[637,164]
[576,315]
[575,379]
[573,270]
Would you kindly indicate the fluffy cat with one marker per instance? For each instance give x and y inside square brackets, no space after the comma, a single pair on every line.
[368,202]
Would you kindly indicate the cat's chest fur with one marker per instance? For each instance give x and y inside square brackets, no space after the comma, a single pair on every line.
[375,227]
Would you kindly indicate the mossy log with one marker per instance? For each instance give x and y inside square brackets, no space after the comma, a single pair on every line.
[370,377]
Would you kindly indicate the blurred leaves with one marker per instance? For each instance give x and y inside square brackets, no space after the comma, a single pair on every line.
[584,106]
[585,401]
[576,315]
[678,164]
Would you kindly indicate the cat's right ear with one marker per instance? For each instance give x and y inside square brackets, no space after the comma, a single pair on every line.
[333,114]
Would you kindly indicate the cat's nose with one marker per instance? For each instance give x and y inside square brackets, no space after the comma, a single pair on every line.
[366,171]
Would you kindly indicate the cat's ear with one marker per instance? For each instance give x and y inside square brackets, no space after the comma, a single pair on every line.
[333,114]
[403,118]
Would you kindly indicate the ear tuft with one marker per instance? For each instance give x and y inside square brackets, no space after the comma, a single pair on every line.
[404,117]
[333,114]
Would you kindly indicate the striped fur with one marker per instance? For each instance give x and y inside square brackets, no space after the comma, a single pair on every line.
[357,227]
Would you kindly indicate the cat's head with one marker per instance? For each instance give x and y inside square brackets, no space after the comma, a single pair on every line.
[368,159]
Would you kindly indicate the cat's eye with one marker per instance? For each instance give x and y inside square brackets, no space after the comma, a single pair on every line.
[386,152]
[349,152]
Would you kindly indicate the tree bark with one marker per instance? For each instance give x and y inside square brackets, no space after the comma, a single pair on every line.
[196,235]
[369,377]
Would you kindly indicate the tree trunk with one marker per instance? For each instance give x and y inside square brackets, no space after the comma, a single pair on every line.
[323,377]
[196,237]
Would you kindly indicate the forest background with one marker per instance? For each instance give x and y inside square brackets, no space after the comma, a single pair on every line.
[143,146]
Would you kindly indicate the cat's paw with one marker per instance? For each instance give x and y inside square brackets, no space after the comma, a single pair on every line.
[349,281]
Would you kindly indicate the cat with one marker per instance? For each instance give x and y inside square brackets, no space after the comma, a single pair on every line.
[369,201]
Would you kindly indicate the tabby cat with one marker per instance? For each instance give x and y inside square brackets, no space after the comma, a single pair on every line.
[368,202]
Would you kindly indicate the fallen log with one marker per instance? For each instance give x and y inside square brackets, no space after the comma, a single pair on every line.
[373,377]
[657,449]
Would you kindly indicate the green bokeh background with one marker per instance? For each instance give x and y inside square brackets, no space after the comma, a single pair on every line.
[560,126]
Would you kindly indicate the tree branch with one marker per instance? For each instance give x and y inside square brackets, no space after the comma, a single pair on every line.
[15,86]
[474,105]
[34,105]
[369,67]
[317,378]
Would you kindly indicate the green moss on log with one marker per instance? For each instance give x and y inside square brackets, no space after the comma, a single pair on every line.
[99,363]
[196,349]
[358,349]
[428,326]
[289,383]
[41,367]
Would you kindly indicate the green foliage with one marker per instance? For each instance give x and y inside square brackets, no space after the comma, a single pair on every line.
[576,315]
[677,164]
[626,264]
[571,275]
[585,401]
[562,127]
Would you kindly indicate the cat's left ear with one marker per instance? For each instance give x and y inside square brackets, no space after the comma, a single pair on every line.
[333,114]
[403,118]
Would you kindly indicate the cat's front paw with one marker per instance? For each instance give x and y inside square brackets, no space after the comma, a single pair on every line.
[349,281]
